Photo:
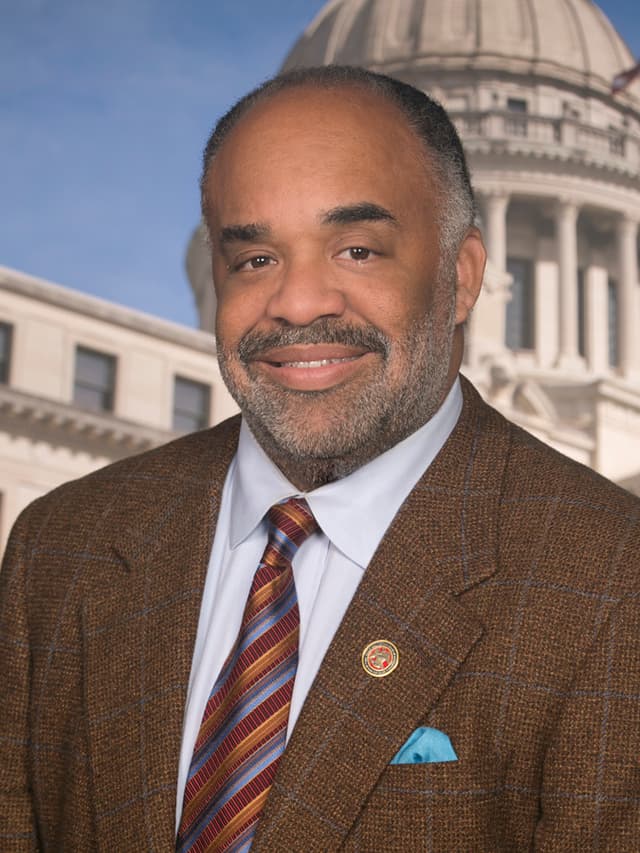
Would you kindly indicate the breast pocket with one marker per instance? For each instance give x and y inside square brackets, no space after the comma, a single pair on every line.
[446,806]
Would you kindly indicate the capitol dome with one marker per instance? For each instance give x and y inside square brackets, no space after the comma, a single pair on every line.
[570,40]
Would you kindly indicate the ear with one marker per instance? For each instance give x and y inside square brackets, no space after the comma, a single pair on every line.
[472,257]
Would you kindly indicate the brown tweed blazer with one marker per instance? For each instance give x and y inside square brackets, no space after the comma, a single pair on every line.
[509,582]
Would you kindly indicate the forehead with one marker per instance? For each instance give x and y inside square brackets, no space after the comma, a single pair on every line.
[349,106]
[346,131]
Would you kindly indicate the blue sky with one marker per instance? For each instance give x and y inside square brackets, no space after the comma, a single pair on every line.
[104,108]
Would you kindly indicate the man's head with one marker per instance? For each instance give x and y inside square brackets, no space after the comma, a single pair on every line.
[345,262]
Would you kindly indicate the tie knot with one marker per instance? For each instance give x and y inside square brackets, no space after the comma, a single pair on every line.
[290,523]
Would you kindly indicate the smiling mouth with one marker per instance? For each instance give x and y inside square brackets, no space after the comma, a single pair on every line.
[312,368]
[323,343]
[321,362]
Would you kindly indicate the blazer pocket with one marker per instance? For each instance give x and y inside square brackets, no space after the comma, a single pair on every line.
[455,776]
[451,801]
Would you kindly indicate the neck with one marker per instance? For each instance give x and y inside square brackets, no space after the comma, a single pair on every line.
[307,472]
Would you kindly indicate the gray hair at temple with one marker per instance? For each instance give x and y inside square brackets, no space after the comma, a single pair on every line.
[426,117]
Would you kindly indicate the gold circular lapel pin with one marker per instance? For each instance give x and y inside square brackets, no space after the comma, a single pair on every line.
[380,658]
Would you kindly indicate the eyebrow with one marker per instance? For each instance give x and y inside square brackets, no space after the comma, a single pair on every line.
[347,214]
[243,233]
[364,211]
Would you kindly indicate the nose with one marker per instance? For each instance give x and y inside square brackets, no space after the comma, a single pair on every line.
[307,290]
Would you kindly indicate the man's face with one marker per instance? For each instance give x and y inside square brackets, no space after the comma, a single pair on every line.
[335,321]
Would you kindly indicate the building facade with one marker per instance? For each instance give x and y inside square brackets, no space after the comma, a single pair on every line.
[554,341]
[84,382]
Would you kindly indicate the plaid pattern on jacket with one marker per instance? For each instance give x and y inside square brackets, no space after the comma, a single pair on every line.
[509,581]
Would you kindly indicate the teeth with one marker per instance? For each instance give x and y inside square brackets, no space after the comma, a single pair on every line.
[320,363]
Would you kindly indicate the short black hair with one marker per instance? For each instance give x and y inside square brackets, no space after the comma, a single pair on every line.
[427,118]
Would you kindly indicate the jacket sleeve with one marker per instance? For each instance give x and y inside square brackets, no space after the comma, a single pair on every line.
[591,782]
[17,824]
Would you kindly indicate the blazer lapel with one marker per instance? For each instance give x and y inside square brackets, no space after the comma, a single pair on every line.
[140,627]
[442,542]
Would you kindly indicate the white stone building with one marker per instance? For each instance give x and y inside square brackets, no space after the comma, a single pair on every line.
[555,339]
[84,382]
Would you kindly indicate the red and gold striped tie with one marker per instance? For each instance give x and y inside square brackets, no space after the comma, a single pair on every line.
[244,726]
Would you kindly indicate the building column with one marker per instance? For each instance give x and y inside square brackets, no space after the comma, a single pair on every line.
[628,314]
[495,206]
[567,247]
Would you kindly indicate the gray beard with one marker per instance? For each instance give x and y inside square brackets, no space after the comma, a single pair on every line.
[370,420]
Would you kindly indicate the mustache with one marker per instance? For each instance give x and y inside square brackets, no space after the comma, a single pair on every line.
[322,331]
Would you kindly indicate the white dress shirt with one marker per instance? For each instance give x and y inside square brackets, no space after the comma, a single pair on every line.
[353,514]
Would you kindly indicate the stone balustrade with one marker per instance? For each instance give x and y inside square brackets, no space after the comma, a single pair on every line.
[616,149]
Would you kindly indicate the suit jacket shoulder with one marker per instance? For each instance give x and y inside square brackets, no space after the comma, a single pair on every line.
[100,595]
[584,527]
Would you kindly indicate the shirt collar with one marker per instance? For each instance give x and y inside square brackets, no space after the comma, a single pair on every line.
[355,511]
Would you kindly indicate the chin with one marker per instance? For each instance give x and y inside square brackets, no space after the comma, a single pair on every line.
[307,438]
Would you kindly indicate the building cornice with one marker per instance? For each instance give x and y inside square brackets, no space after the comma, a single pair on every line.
[14,281]
[63,419]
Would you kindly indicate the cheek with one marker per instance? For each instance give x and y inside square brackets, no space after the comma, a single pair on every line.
[228,332]
[381,304]
[396,300]
[399,317]
[236,314]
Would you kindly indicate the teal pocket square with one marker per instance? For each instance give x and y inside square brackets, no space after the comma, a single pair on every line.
[425,746]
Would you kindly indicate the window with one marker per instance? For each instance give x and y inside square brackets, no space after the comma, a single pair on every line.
[517,105]
[582,316]
[94,382]
[190,405]
[519,325]
[612,322]
[516,125]
[6,334]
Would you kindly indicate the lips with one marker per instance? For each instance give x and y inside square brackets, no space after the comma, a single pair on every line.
[310,355]
[311,367]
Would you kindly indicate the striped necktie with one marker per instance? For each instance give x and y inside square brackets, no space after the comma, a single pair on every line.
[244,726]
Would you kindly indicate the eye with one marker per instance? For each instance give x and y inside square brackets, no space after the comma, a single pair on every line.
[356,253]
[256,262]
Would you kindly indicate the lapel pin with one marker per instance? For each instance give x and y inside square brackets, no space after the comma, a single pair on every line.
[380,658]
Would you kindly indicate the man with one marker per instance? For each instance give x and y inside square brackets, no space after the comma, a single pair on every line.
[467,644]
